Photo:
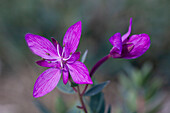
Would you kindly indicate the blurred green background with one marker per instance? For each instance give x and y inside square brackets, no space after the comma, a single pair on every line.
[100,20]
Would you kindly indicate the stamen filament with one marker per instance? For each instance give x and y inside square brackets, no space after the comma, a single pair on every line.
[58,51]
[61,64]
[67,58]
[63,51]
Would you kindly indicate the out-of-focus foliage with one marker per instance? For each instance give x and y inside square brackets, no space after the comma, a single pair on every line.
[139,91]
[61,105]
[96,89]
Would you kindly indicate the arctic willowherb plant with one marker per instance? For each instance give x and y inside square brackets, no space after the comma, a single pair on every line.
[63,61]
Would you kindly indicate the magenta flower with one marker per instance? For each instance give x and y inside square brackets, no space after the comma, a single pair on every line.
[61,60]
[129,47]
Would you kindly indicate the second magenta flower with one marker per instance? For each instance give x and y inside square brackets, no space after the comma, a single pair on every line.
[129,47]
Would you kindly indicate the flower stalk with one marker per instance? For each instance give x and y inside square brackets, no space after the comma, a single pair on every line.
[81,100]
[98,64]
[95,67]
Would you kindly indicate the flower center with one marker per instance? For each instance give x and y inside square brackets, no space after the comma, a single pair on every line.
[61,58]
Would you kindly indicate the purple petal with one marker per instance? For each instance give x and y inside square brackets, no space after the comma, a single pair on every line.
[79,73]
[135,46]
[125,36]
[116,41]
[128,46]
[74,57]
[71,38]
[114,53]
[46,82]
[65,77]
[55,43]
[47,63]
[41,46]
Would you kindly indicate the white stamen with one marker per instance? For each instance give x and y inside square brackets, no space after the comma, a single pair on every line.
[61,64]
[63,51]
[58,51]
[67,58]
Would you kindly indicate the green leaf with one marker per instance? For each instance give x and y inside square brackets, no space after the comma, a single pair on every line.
[109,109]
[41,106]
[96,89]
[73,84]
[102,108]
[83,58]
[65,88]
[97,103]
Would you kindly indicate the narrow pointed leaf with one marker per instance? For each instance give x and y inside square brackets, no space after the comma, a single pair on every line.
[97,103]
[96,89]
[102,107]
[83,58]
